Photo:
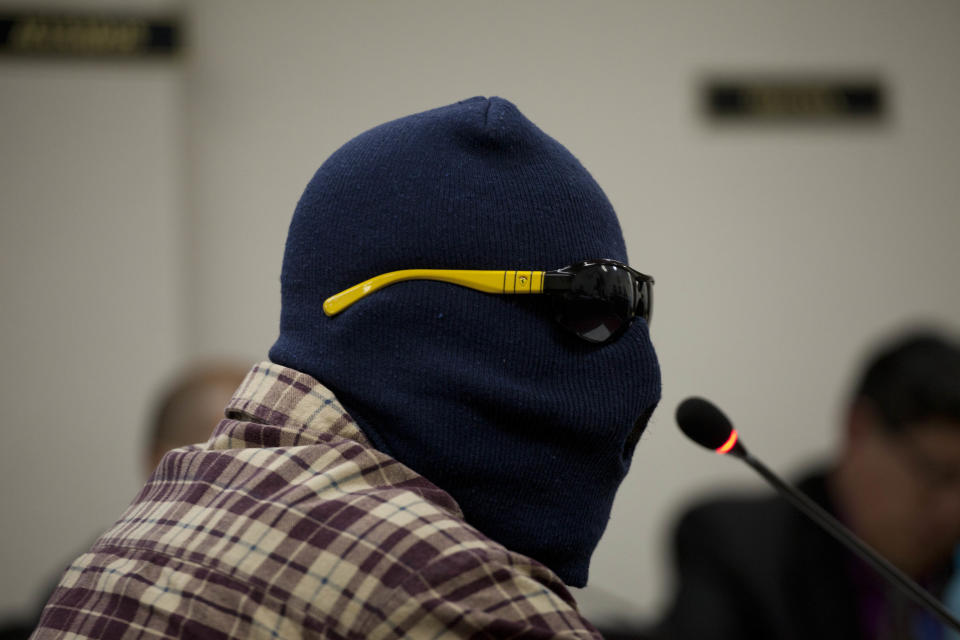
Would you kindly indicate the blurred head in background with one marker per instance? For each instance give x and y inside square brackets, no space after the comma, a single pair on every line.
[190,406]
[897,483]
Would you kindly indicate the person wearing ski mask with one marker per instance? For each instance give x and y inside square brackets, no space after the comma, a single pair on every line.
[463,370]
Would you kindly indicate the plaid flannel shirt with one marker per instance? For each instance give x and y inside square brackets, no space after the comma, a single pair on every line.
[287,523]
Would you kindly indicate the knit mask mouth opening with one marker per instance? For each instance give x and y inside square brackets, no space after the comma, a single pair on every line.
[633,438]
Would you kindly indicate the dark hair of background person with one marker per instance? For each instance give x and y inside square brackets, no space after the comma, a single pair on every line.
[912,379]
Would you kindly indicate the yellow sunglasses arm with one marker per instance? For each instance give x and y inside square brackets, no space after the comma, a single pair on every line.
[486,281]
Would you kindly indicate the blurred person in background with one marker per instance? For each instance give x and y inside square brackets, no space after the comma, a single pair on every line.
[462,373]
[185,412]
[190,407]
[757,568]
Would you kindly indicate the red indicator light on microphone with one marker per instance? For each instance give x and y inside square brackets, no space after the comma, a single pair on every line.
[731,441]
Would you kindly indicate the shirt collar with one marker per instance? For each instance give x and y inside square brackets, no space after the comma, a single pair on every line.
[293,401]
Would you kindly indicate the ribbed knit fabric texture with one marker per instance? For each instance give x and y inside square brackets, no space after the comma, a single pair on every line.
[526,426]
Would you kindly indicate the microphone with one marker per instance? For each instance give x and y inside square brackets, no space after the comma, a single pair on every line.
[707,425]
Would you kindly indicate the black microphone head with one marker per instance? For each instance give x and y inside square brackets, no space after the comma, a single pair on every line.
[706,425]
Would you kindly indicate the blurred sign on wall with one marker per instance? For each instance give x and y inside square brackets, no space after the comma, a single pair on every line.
[794,99]
[71,35]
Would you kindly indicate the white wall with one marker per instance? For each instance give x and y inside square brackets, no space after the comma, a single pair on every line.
[92,313]
[779,252]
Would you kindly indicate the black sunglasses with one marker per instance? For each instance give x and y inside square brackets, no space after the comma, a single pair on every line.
[597,299]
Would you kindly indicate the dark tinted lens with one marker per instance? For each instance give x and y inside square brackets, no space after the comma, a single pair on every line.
[591,319]
[600,302]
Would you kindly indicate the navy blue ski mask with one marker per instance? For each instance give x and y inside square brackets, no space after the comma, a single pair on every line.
[528,427]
